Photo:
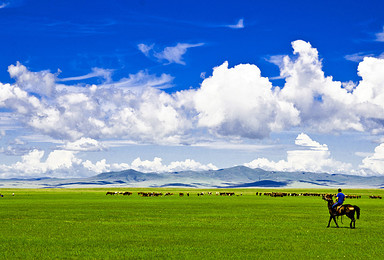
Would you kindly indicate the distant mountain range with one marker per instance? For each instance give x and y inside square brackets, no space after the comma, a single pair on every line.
[235,177]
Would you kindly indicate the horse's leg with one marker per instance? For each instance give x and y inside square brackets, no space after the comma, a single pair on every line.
[352,225]
[353,220]
[352,217]
[329,222]
[334,219]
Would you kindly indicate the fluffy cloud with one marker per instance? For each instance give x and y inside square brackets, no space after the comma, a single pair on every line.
[84,144]
[173,54]
[65,164]
[156,165]
[369,94]
[374,164]
[323,104]
[42,83]
[326,105]
[239,102]
[133,108]
[57,164]
[371,86]
[312,156]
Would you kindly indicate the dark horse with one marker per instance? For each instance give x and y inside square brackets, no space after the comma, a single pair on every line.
[345,209]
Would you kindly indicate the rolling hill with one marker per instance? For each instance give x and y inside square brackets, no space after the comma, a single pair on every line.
[235,177]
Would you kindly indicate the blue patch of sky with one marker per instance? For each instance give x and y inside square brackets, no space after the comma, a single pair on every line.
[75,36]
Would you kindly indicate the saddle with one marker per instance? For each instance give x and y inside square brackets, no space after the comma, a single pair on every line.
[337,209]
[345,207]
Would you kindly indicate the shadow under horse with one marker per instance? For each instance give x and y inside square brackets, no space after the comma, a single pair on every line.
[345,209]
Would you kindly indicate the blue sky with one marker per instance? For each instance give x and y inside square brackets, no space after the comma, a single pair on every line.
[87,87]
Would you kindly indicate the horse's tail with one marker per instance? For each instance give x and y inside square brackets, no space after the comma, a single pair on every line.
[357,211]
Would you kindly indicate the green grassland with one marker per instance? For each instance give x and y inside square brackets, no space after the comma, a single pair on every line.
[85,223]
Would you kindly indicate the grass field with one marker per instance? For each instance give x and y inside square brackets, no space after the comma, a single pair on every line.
[85,223]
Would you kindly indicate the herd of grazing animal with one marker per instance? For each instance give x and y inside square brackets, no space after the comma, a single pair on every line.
[116,193]
[271,194]
[157,194]
[293,194]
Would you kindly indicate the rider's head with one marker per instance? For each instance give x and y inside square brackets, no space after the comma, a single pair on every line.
[339,190]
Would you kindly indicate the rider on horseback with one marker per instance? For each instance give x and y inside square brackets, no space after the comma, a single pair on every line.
[340,200]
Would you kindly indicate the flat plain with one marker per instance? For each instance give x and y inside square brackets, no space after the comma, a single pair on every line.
[88,224]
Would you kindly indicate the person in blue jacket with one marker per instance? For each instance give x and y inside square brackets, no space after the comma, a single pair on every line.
[340,200]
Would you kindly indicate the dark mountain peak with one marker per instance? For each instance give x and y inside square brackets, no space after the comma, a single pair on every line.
[242,169]
[129,172]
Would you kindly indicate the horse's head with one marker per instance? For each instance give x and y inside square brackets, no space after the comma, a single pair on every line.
[328,197]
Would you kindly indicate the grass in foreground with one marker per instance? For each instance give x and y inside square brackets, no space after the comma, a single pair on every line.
[85,223]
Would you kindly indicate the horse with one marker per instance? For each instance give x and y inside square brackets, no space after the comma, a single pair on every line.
[345,209]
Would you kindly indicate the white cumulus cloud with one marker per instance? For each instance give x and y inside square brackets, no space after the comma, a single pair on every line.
[156,165]
[65,164]
[134,108]
[374,164]
[59,163]
[42,82]
[238,101]
[312,157]
[84,144]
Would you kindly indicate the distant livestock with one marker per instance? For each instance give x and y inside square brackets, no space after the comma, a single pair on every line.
[116,193]
[218,193]
[353,196]
[292,194]
[150,194]
[227,193]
